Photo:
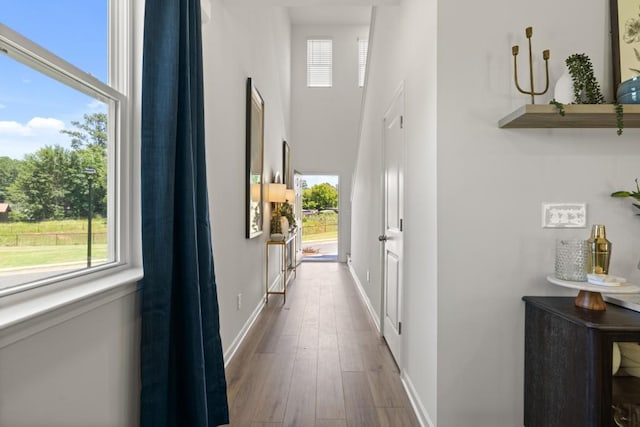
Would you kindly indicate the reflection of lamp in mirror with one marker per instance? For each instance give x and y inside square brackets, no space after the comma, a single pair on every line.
[275,193]
[255,192]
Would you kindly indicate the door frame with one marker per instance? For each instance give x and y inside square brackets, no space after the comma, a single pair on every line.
[399,94]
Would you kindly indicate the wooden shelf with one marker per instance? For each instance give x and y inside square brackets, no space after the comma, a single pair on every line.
[576,116]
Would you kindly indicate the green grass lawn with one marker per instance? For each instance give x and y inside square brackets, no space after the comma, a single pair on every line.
[27,256]
[98,225]
[329,235]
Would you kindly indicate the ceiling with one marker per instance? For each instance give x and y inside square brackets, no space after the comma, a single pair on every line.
[309,12]
[311,15]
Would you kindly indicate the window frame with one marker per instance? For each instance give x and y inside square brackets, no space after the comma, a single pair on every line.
[28,301]
[309,65]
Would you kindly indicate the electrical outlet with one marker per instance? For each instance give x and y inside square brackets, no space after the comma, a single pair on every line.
[368,277]
[564,215]
[239,301]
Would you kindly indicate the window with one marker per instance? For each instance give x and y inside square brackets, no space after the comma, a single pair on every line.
[319,63]
[63,154]
[363,47]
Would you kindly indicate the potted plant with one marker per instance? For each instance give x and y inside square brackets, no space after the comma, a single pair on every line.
[586,89]
[634,195]
[276,228]
[286,210]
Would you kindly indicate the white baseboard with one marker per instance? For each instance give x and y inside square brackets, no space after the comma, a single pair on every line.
[231,351]
[416,403]
[365,298]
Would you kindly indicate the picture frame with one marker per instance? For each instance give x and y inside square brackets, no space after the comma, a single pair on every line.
[286,165]
[625,40]
[254,161]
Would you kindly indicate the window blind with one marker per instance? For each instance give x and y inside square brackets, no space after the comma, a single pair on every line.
[363,47]
[319,63]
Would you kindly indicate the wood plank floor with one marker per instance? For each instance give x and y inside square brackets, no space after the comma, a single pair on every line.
[316,361]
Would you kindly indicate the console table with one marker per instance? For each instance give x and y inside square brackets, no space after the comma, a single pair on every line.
[286,268]
[568,379]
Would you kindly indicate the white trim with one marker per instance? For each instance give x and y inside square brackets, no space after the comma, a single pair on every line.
[239,339]
[365,298]
[416,403]
[33,311]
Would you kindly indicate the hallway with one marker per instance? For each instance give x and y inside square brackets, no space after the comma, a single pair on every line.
[316,361]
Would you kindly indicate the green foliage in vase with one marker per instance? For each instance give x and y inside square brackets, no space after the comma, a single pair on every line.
[586,89]
[287,211]
[633,194]
[275,221]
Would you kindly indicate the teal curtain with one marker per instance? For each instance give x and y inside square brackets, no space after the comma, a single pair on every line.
[182,367]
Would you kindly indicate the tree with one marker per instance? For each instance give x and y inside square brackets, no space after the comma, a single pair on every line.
[92,132]
[51,183]
[320,196]
[9,169]
[41,186]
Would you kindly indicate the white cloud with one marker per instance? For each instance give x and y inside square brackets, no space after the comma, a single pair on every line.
[46,124]
[2,106]
[35,126]
[14,128]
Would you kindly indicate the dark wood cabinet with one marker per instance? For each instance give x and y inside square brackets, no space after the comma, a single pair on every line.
[568,377]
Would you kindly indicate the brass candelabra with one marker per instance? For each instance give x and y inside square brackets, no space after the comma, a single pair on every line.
[545,55]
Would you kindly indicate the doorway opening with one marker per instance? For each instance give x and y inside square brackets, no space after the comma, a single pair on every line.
[319,201]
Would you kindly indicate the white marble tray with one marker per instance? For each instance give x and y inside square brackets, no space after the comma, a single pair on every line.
[625,288]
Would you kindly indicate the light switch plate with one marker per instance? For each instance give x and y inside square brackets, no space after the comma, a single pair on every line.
[564,215]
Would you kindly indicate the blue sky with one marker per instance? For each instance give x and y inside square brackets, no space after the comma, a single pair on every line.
[320,179]
[33,107]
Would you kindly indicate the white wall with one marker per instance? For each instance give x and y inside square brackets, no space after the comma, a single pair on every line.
[83,372]
[241,42]
[324,130]
[489,248]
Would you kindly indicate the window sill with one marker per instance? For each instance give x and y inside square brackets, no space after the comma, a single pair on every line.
[29,312]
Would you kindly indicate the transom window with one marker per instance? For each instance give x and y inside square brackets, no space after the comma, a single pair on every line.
[319,63]
[363,47]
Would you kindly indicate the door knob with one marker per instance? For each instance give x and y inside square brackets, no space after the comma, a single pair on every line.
[382,238]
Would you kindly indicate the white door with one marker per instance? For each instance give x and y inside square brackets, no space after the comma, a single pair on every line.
[393,210]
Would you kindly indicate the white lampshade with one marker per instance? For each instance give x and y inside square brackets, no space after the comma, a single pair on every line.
[276,193]
[290,195]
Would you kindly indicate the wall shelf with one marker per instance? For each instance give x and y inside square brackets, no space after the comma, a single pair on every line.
[576,116]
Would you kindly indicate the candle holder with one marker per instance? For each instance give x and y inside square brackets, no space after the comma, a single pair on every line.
[545,55]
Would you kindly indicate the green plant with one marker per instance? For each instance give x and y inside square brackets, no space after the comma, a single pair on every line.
[275,221]
[586,89]
[619,117]
[559,106]
[633,194]
[286,210]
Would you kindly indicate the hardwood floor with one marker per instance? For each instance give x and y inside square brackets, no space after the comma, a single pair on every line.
[316,361]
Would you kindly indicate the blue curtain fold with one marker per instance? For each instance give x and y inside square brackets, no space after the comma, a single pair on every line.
[182,367]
